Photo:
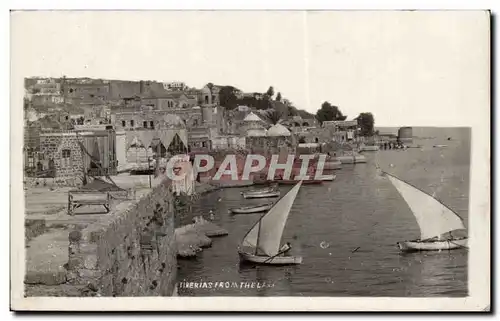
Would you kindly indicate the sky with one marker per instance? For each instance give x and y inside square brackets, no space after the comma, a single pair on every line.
[408,68]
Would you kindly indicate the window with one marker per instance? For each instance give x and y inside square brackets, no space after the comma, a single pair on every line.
[195,122]
[131,123]
[66,158]
[124,123]
[67,117]
[206,99]
[71,90]
[145,124]
[152,124]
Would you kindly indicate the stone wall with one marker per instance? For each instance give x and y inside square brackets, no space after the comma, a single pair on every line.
[265,145]
[130,252]
[51,146]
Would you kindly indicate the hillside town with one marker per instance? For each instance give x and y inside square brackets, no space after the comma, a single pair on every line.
[129,125]
[99,148]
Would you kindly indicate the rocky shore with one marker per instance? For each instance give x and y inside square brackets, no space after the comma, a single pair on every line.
[191,239]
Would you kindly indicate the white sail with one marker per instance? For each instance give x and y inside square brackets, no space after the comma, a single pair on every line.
[433,218]
[271,225]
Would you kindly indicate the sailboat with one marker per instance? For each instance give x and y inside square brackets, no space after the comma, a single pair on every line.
[435,220]
[262,243]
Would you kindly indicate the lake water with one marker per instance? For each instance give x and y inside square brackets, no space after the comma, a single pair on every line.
[359,210]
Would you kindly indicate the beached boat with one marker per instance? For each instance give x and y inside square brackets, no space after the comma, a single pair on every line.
[262,243]
[252,209]
[437,222]
[440,146]
[261,194]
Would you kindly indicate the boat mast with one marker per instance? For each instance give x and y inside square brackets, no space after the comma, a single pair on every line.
[258,237]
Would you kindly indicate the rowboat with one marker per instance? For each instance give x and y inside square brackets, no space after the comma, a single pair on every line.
[352,159]
[328,178]
[440,146]
[261,190]
[332,164]
[248,195]
[262,242]
[437,222]
[370,148]
[252,209]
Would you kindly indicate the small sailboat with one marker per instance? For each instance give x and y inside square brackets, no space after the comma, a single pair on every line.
[262,243]
[252,209]
[436,220]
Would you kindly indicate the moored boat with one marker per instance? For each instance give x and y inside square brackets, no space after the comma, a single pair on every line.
[261,194]
[252,209]
[261,190]
[440,146]
[352,159]
[262,242]
[370,148]
[437,222]
[328,179]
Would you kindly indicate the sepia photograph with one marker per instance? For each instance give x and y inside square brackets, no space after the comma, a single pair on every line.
[250,160]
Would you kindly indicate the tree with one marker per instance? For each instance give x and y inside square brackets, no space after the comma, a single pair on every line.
[227,97]
[273,116]
[366,123]
[329,112]
[292,111]
[270,92]
[278,97]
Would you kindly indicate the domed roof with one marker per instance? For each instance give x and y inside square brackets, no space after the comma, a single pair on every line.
[278,130]
[252,117]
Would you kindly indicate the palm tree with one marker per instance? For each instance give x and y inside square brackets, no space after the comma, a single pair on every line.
[273,116]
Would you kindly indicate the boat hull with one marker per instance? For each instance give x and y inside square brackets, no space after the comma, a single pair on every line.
[256,209]
[332,165]
[352,159]
[277,260]
[411,246]
[373,148]
[261,195]
[328,179]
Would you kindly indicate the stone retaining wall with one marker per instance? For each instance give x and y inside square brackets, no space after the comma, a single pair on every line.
[129,252]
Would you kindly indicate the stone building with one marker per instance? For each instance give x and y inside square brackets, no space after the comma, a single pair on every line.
[252,125]
[278,140]
[72,153]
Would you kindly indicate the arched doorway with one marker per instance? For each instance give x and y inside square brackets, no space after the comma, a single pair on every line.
[177,146]
[158,149]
